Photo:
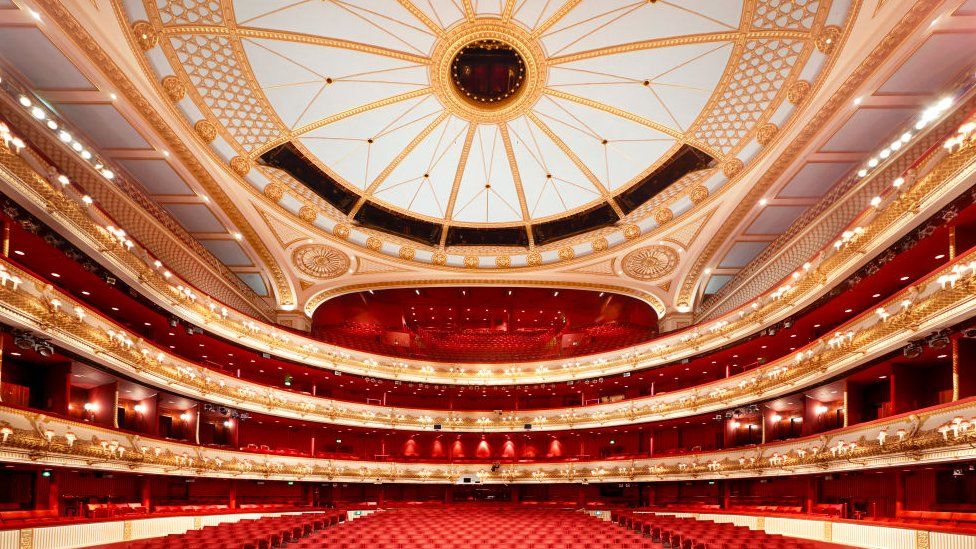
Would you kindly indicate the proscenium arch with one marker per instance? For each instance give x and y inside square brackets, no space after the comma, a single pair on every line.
[651,299]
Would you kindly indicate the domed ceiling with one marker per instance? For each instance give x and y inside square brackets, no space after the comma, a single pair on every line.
[491,122]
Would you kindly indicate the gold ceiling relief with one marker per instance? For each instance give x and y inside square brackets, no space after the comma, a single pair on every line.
[241,165]
[766,133]
[365,266]
[490,121]
[663,216]
[798,92]
[285,233]
[206,130]
[407,252]
[698,194]
[320,261]
[174,88]
[827,39]
[274,191]
[145,35]
[651,262]
[732,167]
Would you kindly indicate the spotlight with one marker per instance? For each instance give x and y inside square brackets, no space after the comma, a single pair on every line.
[24,340]
[174,322]
[110,280]
[44,348]
[912,350]
[288,380]
[969,333]
[939,340]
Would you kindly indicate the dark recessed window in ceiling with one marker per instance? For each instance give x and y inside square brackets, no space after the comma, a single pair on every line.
[558,229]
[500,236]
[289,159]
[688,159]
[377,217]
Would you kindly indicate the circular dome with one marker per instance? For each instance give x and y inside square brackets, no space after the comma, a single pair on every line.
[471,127]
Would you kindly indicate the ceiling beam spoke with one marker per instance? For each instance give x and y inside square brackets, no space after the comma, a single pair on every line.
[667,130]
[333,118]
[555,17]
[593,179]
[459,174]
[294,37]
[422,17]
[705,38]
[508,10]
[397,160]
[469,12]
[516,177]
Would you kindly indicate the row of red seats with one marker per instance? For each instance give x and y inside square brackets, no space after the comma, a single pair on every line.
[689,533]
[262,533]
[483,527]
[106,510]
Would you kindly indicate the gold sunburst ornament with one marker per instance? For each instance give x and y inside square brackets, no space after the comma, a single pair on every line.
[650,263]
[320,261]
[487,71]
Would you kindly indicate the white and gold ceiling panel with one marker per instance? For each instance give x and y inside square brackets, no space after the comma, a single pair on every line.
[305,83]
[359,148]
[602,24]
[600,93]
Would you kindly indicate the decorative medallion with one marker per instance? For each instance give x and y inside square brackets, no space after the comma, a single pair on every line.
[374,243]
[206,130]
[308,213]
[600,244]
[827,39]
[766,133]
[175,90]
[320,261]
[341,230]
[698,194]
[534,259]
[488,73]
[407,252]
[503,261]
[732,167]
[566,253]
[798,92]
[471,261]
[145,35]
[631,232]
[663,215]
[650,263]
[438,258]
[240,165]
[274,191]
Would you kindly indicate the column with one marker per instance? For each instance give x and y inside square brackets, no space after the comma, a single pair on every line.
[899,492]
[811,500]
[53,497]
[232,494]
[955,369]
[145,492]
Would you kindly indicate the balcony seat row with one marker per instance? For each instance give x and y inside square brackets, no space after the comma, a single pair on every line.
[262,533]
[689,533]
